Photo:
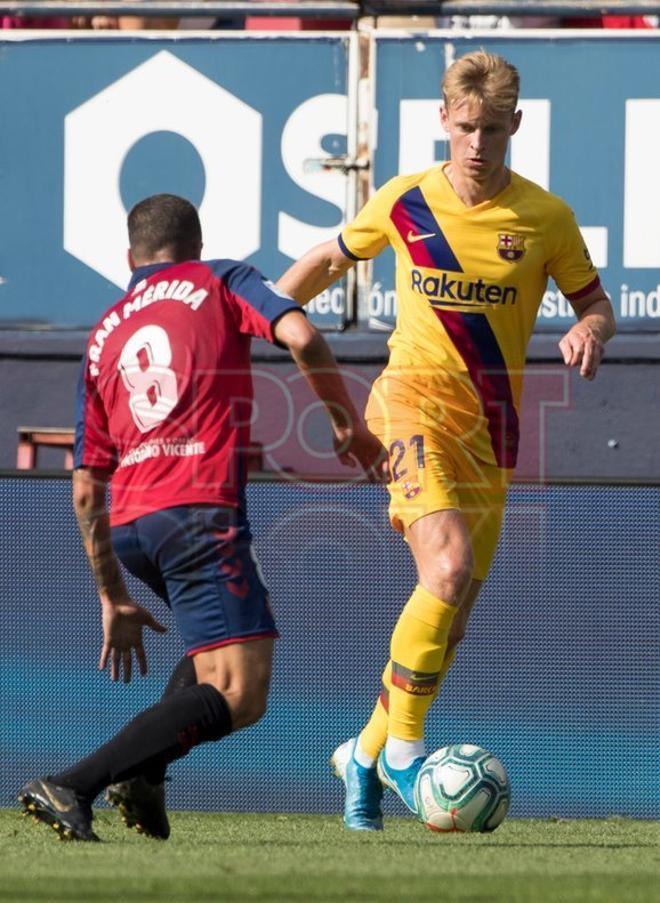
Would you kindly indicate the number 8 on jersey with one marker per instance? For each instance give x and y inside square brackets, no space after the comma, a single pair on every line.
[144,367]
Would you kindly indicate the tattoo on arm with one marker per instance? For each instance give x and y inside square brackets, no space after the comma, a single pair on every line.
[94,525]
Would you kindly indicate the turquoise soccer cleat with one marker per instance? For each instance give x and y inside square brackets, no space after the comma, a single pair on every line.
[401,780]
[363,790]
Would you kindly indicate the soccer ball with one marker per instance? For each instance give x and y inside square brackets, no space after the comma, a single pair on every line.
[462,788]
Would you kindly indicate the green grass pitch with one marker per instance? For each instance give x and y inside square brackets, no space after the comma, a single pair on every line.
[312,858]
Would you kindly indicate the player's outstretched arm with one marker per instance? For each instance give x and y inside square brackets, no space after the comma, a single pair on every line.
[123,619]
[353,441]
[315,271]
[584,343]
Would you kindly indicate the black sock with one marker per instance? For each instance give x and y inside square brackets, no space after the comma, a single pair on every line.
[151,741]
[183,676]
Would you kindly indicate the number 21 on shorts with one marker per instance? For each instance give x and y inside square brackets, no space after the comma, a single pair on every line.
[144,367]
[401,449]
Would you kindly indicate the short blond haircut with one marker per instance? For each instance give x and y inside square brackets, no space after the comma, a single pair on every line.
[483,78]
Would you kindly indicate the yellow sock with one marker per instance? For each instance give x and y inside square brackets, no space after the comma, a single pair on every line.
[374,733]
[418,649]
[446,665]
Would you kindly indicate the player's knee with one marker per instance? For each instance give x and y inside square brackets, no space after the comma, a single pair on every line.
[451,576]
[247,704]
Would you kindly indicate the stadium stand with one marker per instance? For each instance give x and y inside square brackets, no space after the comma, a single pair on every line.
[32,438]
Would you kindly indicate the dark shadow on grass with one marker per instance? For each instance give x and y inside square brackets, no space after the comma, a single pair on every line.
[444,841]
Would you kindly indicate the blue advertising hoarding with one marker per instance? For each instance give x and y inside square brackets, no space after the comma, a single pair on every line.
[590,133]
[556,676]
[241,123]
[233,123]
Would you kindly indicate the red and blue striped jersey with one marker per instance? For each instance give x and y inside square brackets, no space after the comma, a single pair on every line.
[165,390]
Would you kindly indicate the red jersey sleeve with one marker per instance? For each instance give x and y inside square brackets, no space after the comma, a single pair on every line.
[93,446]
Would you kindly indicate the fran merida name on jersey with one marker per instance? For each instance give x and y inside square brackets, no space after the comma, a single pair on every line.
[141,296]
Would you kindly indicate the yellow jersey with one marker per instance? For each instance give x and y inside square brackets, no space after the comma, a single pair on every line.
[469,283]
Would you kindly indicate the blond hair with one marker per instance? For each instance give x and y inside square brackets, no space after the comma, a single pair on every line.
[483,78]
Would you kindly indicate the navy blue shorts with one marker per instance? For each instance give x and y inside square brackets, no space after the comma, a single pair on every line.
[199,560]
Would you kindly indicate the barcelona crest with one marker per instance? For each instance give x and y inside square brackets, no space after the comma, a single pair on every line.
[411,489]
[510,247]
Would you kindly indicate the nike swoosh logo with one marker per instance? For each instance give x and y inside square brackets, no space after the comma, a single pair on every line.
[57,804]
[412,238]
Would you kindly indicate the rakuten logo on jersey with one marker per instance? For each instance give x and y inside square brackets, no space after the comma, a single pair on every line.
[450,290]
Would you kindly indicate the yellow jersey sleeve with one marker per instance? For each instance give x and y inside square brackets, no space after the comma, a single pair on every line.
[569,262]
[368,234]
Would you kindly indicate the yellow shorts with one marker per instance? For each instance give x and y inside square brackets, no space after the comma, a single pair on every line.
[433,471]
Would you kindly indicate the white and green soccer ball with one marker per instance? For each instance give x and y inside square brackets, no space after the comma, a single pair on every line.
[462,788]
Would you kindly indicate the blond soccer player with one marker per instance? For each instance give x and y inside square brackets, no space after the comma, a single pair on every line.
[474,245]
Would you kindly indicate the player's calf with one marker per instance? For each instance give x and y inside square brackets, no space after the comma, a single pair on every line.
[159,735]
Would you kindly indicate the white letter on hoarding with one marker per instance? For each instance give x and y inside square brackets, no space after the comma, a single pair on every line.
[641,237]
[156,96]
[530,146]
[325,114]
[419,130]
[595,238]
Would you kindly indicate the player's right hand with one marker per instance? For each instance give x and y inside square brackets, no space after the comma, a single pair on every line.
[122,637]
[582,347]
[356,445]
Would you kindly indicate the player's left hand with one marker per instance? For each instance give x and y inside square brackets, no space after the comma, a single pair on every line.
[122,637]
[356,445]
[581,346]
